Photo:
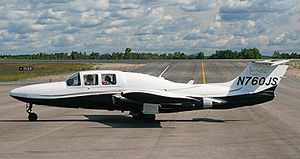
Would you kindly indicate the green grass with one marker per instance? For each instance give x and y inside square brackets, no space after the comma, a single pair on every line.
[294,64]
[10,71]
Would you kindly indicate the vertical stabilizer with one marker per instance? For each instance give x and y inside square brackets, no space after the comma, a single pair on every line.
[258,76]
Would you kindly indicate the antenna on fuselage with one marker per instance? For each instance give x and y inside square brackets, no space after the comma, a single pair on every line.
[160,75]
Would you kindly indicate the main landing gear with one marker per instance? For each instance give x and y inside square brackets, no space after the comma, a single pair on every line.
[147,118]
[31,115]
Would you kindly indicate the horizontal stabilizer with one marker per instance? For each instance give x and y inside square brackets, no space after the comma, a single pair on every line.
[271,62]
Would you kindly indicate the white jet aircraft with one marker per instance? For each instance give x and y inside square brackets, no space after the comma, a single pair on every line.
[144,96]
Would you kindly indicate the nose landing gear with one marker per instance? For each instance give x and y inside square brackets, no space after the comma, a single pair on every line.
[31,115]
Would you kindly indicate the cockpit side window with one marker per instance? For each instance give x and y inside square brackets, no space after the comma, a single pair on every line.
[74,80]
[108,79]
[90,79]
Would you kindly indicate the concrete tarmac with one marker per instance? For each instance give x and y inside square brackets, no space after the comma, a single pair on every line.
[269,130]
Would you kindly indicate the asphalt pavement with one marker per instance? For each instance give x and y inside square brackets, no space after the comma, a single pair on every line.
[269,130]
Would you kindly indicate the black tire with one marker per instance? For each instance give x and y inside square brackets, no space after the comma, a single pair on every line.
[137,115]
[32,117]
[149,118]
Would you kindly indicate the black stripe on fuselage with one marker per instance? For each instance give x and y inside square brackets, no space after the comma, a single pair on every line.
[246,99]
[102,101]
[231,102]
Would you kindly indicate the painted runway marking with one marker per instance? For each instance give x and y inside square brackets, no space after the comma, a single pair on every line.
[203,74]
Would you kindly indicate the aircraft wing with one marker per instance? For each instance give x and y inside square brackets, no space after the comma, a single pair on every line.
[156,97]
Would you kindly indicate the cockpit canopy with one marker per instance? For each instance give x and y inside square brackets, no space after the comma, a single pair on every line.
[74,80]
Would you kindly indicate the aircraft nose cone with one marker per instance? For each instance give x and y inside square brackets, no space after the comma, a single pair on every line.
[37,90]
[18,92]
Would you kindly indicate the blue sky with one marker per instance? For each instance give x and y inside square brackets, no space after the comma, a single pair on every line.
[190,26]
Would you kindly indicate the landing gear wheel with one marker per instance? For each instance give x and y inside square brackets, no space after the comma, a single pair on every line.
[32,117]
[149,118]
[137,115]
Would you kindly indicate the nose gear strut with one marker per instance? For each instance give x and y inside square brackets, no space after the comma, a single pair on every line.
[31,115]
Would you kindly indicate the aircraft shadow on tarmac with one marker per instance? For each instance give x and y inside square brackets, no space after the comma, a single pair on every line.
[123,121]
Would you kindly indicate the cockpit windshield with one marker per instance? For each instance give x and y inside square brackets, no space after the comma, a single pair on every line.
[74,80]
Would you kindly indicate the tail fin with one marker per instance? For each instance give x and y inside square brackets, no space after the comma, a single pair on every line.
[258,76]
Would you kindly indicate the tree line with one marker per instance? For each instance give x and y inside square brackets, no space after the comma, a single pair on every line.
[278,55]
[248,53]
[251,53]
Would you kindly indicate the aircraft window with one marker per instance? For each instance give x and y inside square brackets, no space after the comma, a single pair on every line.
[74,80]
[91,79]
[108,79]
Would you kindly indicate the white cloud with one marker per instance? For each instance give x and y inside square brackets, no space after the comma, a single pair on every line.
[90,18]
[156,12]
[159,26]
[23,27]
[79,5]
[168,17]
[234,10]
[106,40]
[182,2]
[17,15]
[286,38]
[63,41]
[198,6]
[50,16]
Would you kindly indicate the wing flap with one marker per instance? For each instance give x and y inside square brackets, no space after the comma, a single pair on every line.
[156,97]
